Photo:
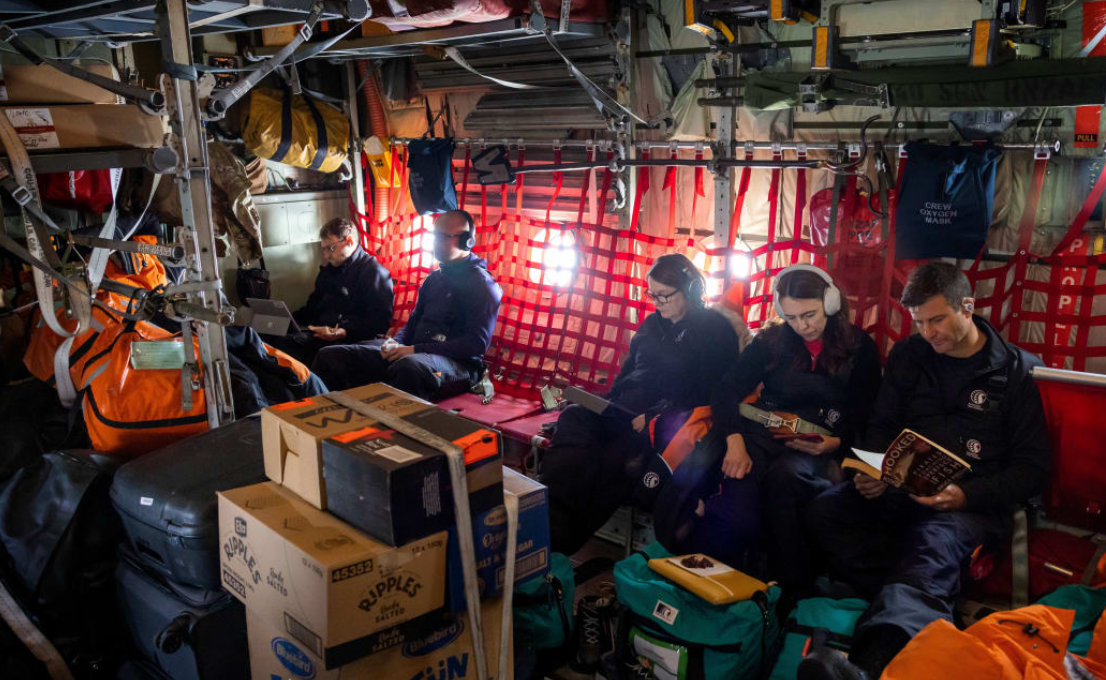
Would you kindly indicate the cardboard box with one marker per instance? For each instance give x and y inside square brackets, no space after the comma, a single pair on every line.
[490,538]
[397,489]
[292,434]
[44,84]
[442,653]
[319,580]
[83,126]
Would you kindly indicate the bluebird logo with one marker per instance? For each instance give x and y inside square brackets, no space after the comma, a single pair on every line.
[434,641]
[294,659]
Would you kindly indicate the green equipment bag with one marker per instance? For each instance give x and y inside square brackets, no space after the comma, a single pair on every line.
[676,635]
[543,607]
[829,621]
[1088,604]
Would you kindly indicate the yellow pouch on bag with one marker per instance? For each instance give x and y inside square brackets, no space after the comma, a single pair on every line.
[708,578]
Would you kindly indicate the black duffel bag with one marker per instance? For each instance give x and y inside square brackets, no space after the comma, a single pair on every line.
[58,539]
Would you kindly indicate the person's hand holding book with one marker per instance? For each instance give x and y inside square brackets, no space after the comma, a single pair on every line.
[868,487]
[950,498]
[815,448]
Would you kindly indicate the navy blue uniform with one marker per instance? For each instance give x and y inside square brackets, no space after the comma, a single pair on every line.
[594,461]
[355,295]
[784,479]
[907,558]
[450,329]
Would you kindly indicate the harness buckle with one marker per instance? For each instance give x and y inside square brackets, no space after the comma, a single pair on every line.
[21,195]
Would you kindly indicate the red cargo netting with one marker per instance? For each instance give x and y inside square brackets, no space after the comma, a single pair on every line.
[574,290]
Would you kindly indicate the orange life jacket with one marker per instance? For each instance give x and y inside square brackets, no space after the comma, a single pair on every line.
[1000,647]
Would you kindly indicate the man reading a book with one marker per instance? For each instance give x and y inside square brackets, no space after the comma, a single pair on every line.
[957,383]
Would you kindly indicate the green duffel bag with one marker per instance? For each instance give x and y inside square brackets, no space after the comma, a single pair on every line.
[543,607]
[835,619]
[1088,604]
[679,636]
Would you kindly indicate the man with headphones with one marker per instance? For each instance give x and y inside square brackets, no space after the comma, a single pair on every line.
[959,383]
[440,351]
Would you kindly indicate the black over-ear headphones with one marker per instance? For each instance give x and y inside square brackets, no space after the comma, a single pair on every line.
[694,289]
[466,240]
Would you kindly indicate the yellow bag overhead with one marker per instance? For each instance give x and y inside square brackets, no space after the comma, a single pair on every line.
[295,129]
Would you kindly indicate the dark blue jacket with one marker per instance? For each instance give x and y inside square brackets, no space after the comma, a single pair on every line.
[997,422]
[455,313]
[356,295]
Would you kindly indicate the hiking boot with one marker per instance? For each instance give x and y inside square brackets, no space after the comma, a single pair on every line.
[591,636]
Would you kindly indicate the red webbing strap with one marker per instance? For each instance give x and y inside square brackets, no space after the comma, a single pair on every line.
[1025,237]
[800,207]
[739,202]
[884,313]
[607,177]
[1052,307]
[670,184]
[392,175]
[483,200]
[558,179]
[642,189]
[1076,227]
[1086,302]
[503,193]
[465,177]
[401,193]
[521,183]
[700,190]
[769,255]
[585,188]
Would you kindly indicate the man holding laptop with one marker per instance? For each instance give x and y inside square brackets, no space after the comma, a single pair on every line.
[352,300]
[440,351]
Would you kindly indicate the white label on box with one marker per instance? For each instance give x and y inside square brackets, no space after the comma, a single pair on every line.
[398,454]
[145,501]
[35,128]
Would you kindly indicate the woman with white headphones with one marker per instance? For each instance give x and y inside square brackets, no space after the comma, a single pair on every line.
[820,375]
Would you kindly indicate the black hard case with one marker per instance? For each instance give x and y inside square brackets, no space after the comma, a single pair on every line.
[187,633]
[168,504]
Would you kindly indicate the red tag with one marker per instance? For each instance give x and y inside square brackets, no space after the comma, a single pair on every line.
[1087,120]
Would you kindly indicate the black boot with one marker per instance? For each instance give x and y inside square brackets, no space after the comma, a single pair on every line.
[874,648]
[824,663]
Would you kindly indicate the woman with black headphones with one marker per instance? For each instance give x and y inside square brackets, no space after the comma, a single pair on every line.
[596,463]
[820,375]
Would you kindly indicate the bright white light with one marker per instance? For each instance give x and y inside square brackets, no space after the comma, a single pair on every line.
[740,265]
[557,257]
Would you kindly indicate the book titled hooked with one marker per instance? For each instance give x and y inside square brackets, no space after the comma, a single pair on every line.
[912,463]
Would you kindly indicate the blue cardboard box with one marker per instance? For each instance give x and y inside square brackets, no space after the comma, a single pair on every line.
[490,537]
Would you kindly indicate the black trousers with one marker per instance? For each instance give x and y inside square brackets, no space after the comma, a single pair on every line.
[300,345]
[905,558]
[770,504]
[429,376]
[585,470]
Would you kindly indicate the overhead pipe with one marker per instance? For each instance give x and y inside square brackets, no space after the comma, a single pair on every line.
[378,124]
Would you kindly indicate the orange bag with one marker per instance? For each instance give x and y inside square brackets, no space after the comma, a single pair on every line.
[129,411]
[147,272]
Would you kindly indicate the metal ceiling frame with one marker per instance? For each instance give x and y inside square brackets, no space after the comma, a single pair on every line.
[513,30]
[134,20]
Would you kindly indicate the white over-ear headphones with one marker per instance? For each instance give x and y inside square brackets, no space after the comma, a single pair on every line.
[831,299]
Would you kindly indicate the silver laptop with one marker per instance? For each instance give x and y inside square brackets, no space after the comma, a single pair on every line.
[271,317]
